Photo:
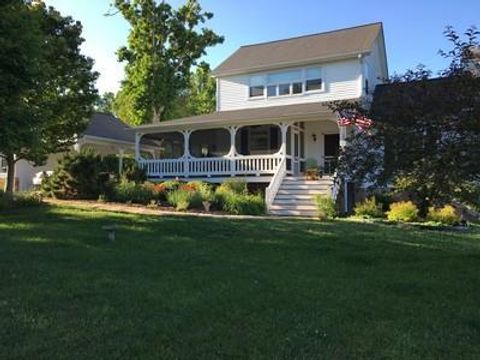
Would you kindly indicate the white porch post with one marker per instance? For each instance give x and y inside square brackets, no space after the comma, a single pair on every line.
[138,137]
[186,151]
[343,143]
[233,149]
[284,130]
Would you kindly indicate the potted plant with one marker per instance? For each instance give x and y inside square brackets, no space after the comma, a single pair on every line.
[311,169]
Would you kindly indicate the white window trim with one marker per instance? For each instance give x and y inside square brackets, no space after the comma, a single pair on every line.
[303,79]
[322,76]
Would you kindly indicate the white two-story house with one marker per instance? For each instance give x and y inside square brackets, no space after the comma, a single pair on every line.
[272,116]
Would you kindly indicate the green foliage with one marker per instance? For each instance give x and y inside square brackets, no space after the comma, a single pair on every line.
[426,131]
[369,208]
[105,102]
[405,211]
[326,207]
[78,175]
[184,199]
[446,215]
[47,86]
[232,197]
[242,204]
[132,172]
[163,45]
[200,96]
[311,164]
[19,200]
[130,192]
[236,186]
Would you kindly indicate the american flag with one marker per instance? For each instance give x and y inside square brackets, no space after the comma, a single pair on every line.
[360,121]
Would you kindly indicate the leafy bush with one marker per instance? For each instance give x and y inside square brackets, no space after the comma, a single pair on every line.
[405,211]
[325,207]
[182,199]
[446,215]
[236,186]
[241,204]
[132,172]
[129,191]
[369,208]
[311,163]
[20,199]
[78,175]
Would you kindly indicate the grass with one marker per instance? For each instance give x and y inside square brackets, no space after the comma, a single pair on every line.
[198,288]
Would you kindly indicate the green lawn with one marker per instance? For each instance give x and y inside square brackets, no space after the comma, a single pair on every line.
[198,288]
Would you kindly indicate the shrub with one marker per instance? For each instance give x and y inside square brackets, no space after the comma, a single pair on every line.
[236,186]
[20,199]
[369,208]
[129,191]
[184,199]
[132,172]
[325,207]
[446,215]
[241,204]
[311,163]
[405,211]
[78,175]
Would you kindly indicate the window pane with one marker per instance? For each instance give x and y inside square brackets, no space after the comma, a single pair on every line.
[272,90]
[315,84]
[313,73]
[283,77]
[297,88]
[256,80]
[283,89]
[256,91]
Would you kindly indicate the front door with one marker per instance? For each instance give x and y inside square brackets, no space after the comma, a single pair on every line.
[331,143]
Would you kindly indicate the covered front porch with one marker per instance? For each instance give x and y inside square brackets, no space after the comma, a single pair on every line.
[218,146]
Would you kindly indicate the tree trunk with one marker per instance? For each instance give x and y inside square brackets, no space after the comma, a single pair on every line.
[10,184]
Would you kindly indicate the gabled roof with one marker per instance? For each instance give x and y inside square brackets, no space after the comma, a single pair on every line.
[300,112]
[105,125]
[301,50]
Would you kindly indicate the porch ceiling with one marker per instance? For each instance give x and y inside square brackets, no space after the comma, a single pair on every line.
[263,115]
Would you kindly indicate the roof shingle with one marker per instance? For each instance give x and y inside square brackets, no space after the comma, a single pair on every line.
[301,50]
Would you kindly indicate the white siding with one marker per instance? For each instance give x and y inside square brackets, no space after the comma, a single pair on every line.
[374,66]
[341,79]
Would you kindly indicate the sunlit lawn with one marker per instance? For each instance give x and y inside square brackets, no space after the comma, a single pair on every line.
[198,288]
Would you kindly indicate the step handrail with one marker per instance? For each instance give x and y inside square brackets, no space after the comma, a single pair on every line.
[277,179]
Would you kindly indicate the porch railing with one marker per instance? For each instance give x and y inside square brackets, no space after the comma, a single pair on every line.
[277,179]
[216,166]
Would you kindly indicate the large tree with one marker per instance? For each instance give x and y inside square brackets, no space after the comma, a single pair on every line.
[426,133]
[105,102]
[198,98]
[163,45]
[47,90]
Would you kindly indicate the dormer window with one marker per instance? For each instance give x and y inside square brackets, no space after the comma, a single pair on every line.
[257,86]
[282,83]
[286,83]
[313,79]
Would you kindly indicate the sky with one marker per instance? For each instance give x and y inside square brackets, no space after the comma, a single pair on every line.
[413,28]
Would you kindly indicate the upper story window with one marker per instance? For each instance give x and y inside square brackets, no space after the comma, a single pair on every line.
[313,79]
[285,83]
[257,86]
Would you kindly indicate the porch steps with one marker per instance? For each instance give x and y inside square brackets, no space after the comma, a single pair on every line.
[296,196]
